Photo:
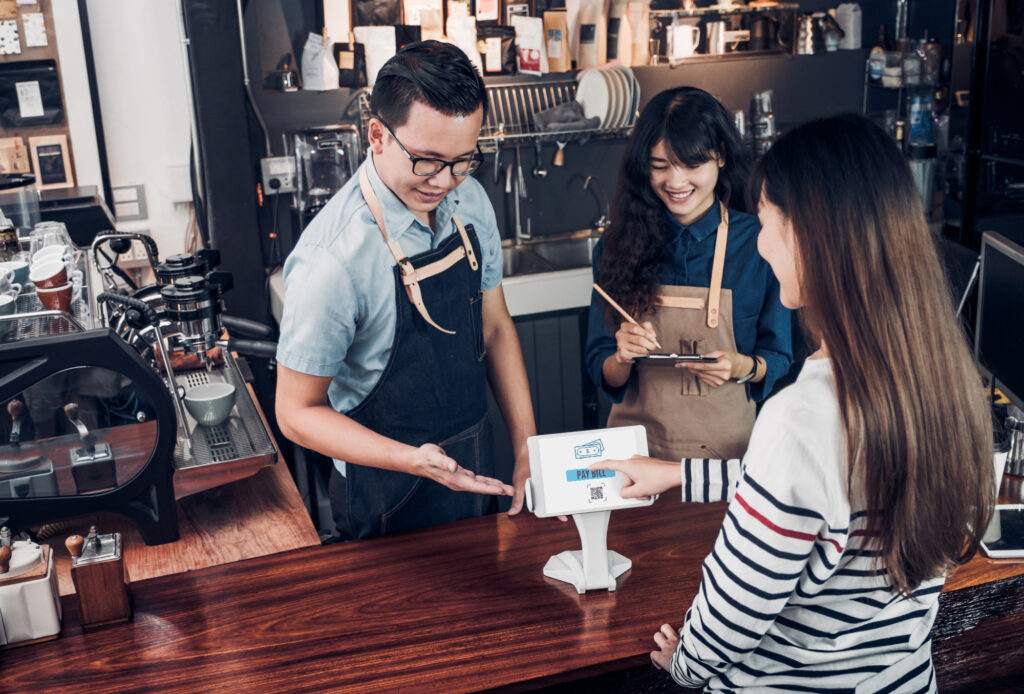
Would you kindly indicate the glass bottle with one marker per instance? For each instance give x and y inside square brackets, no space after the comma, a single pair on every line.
[10,246]
[876,59]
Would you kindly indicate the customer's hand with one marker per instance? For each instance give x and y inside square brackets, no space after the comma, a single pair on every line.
[666,640]
[645,476]
[634,341]
[430,461]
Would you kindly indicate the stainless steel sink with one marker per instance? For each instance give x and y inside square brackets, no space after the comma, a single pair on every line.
[567,254]
[549,254]
[520,261]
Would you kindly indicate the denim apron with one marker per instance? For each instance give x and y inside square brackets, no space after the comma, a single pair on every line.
[431,391]
[685,417]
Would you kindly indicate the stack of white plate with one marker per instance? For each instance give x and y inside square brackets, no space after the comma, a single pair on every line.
[610,94]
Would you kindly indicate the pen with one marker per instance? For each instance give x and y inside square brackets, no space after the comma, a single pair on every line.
[615,305]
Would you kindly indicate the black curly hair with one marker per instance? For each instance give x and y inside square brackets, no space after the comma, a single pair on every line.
[696,128]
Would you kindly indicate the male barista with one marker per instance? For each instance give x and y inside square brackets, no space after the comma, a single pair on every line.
[394,314]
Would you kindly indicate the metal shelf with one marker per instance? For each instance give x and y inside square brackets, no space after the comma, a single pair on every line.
[511,108]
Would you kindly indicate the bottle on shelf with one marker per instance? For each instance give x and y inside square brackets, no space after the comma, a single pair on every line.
[931,60]
[763,120]
[876,59]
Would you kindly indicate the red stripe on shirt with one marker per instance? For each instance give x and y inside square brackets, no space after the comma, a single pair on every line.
[771,526]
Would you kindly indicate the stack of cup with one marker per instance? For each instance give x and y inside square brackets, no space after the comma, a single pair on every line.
[8,302]
[9,290]
[51,270]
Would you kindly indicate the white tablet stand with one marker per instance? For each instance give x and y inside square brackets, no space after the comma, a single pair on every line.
[595,566]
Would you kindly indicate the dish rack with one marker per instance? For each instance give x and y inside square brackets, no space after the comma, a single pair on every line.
[31,319]
[510,112]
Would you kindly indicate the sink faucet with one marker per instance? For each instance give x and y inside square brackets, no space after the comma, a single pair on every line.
[604,220]
[516,185]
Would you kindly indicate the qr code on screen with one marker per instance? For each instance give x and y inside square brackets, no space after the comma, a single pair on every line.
[596,492]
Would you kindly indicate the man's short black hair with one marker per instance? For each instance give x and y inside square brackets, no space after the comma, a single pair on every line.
[435,73]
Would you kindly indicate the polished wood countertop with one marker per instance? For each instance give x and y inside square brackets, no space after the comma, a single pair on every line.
[459,607]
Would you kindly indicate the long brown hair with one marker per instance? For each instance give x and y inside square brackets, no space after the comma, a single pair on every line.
[918,432]
[696,128]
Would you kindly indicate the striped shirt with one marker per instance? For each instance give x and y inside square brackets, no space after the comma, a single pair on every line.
[784,603]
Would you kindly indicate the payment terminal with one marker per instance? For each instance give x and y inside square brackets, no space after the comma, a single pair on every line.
[561,483]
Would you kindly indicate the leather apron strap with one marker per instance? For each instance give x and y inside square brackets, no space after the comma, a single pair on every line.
[412,276]
[717,268]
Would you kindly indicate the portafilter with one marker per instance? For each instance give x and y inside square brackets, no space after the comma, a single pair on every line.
[194,304]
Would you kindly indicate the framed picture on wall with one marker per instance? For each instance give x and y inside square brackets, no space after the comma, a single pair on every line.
[51,161]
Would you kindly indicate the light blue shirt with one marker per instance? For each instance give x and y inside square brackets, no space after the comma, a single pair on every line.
[339,307]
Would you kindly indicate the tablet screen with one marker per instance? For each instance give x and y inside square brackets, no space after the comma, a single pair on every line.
[1004,538]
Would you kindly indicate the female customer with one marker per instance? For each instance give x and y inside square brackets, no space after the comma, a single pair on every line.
[682,257]
[870,476]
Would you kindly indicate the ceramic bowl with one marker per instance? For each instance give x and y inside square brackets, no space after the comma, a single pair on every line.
[210,404]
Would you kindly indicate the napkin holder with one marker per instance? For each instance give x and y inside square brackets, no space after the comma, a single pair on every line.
[30,608]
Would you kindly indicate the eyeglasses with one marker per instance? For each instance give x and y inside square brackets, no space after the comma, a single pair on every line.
[425,166]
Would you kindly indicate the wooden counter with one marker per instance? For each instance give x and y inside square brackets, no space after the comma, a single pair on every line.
[252,517]
[460,607]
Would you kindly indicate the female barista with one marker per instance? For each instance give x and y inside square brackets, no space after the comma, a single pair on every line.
[682,258]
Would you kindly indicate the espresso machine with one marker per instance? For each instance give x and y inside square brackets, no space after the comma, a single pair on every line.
[97,411]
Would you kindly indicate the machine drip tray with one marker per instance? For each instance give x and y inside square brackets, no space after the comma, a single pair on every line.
[243,440]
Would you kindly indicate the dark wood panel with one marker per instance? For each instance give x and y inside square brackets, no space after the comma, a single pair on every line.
[571,359]
[460,607]
[548,404]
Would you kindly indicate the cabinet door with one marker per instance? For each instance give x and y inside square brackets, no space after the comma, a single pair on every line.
[552,346]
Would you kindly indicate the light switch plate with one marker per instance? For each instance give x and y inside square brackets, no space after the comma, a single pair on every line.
[129,202]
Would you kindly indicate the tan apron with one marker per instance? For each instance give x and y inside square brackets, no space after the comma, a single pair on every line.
[685,417]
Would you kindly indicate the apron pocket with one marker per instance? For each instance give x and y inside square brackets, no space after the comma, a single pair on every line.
[390,513]
[691,384]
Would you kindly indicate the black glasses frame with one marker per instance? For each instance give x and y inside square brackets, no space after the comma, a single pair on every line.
[473,163]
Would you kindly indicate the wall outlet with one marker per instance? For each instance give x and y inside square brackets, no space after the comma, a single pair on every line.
[278,175]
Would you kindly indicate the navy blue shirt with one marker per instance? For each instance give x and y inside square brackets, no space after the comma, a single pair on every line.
[761,324]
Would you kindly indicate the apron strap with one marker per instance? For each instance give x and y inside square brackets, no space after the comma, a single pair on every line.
[410,277]
[715,290]
[473,264]
[679,302]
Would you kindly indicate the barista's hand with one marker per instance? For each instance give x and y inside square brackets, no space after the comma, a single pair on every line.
[519,476]
[430,461]
[634,340]
[730,365]
[645,476]
[666,639]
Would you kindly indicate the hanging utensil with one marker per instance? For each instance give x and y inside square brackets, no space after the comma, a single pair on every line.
[559,159]
[538,167]
[519,175]
[499,137]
